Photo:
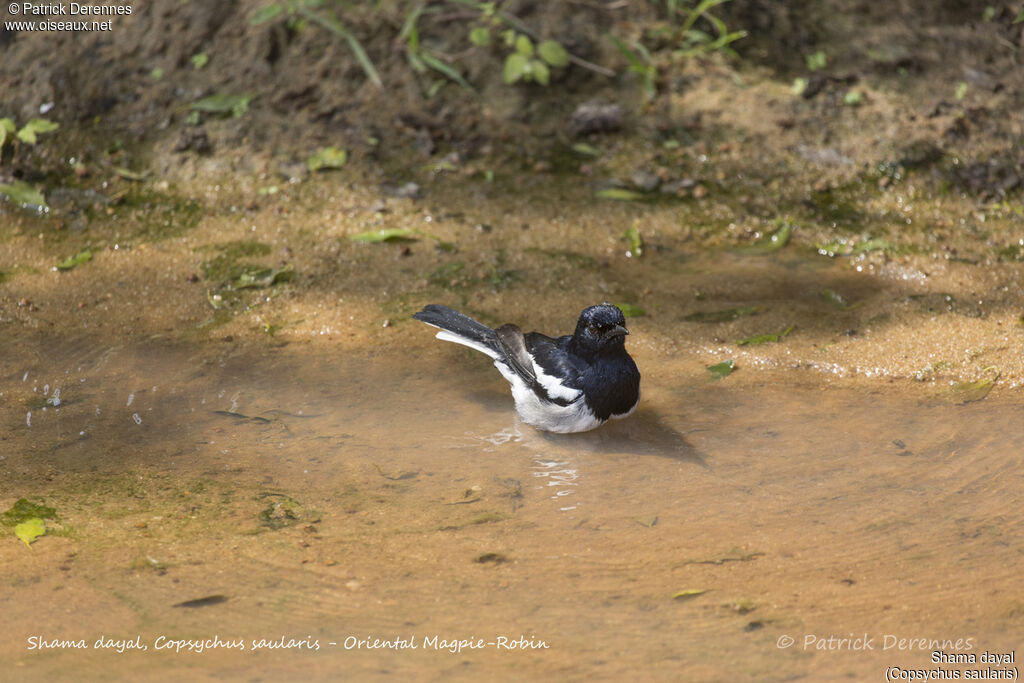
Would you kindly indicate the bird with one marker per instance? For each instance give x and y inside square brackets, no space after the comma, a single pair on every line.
[567,384]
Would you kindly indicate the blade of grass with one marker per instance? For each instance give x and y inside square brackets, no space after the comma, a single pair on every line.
[331,23]
[438,65]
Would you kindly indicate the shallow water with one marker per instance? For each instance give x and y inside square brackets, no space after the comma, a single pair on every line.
[382,496]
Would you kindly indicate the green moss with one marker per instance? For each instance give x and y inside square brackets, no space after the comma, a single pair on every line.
[486,517]
[153,216]
[228,264]
[24,510]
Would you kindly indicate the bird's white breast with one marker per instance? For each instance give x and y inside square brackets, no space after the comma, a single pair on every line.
[551,417]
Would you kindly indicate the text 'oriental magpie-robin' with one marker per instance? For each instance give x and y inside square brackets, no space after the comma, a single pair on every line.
[569,384]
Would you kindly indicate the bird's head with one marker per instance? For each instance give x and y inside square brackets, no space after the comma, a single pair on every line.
[601,328]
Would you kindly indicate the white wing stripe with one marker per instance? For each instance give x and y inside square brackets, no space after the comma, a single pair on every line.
[554,388]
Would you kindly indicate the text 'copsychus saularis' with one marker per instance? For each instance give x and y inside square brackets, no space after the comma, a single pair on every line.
[569,384]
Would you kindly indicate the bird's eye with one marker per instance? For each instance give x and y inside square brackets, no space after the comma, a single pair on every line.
[593,329]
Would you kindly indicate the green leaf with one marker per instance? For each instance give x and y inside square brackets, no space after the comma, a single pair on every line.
[636,242]
[648,521]
[817,61]
[764,338]
[36,127]
[24,194]
[833,249]
[620,194]
[871,245]
[583,149]
[200,60]
[540,71]
[961,90]
[236,105]
[689,593]
[841,248]
[265,14]
[480,36]
[799,86]
[1020,17]
[264,278]
[439,66]
[385,235]
[722,370]
[553,53]
[631,311]
[327,157]
[968,392]
[834,297]
[636,64]
[156,74]
[516,66]
[129,174]
[853,98]
[723,315]
[769,243]
[76,260]
[524,45]
[30,530]
[6,129]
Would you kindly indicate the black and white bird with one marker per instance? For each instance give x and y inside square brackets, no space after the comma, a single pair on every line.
[566,384]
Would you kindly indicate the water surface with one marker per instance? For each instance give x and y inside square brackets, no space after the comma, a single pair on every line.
[384,496]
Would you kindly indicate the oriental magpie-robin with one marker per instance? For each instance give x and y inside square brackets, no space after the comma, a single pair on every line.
[569,384]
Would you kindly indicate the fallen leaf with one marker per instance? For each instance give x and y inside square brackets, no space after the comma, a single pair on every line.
[722,370]
[385,235]
[968,392]
[264,278]
[327,157]
[636,243]
[76,260]
[631,311]
[129,174]
[203,602]
[769,243]
[689,593]
[764,338]
[22,193]
[236,105]
[620,194]
[30,530]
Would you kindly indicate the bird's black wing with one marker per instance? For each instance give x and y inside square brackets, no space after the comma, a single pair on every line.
[510,339]
[519,352]
[562,373]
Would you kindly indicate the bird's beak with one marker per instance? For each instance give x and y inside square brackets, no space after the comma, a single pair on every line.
[617,331]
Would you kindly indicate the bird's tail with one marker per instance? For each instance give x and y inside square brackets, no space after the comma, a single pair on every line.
[461,329]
